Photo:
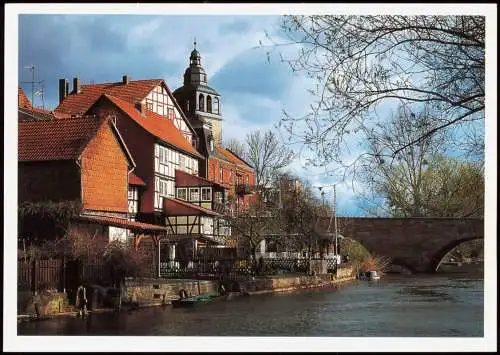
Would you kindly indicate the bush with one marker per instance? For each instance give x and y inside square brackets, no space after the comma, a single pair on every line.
[123,261]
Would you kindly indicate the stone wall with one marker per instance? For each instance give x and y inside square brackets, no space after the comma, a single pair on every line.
[45,304]
[146,290]
[344,272]
[290,283]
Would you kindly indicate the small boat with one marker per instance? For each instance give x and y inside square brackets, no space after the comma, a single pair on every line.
[192,300]
[368,275]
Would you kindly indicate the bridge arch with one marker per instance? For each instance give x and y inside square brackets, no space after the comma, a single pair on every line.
[439,256]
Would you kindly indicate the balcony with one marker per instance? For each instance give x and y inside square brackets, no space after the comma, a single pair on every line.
[243,189]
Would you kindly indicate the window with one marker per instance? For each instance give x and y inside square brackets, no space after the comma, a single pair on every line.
[221,175]
[162,165]
[182,193]
[170,113]
[133,200]
[209,103]
[194,194]
[187,105]
[206,194]
[201,102]
[216,106]
[246,179]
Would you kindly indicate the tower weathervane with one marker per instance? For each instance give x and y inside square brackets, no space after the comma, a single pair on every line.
[195,43]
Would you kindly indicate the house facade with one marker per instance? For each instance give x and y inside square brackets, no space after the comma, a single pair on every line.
[82,160]
[162,143]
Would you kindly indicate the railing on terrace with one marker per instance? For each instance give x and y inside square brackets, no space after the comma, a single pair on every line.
[233,268]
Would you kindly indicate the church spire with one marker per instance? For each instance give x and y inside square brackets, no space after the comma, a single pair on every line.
[195,58]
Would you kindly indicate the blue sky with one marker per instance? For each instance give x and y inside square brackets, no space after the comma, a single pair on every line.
[102,48]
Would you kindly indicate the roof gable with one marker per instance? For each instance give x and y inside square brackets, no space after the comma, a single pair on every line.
[155,124]
[134,90]
[62,140]
[232,158]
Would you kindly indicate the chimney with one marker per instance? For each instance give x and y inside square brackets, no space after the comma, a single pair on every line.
[63,89]
[125,79]
[76,86]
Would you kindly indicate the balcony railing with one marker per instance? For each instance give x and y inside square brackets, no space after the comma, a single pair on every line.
[221,208]
[243,189]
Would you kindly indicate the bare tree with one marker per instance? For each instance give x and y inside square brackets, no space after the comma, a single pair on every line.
[268,156]
[236,147]
[255,224]
[400,185]
[360,62]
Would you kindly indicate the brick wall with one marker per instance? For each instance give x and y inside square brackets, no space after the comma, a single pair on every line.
[230,172]
[48,180]
[141,146]
[104,168]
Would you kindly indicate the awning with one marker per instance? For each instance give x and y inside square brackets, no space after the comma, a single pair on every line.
[183,179]
[135,180]
[176,207]
[124,223]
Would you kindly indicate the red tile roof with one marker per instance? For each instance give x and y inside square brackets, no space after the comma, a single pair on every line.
[26,111]
[231,157]
[159,126]
[123,223]
[55,139]
[22,99]
[185,179]
[176,207]
[135,180]
[135,90]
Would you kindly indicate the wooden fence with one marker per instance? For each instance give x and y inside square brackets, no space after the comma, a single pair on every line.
[58,274]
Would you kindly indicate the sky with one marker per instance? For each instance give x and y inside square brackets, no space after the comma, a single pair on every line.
[103,48]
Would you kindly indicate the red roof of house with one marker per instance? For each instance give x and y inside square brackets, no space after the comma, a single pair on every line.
[231,157]
[185,179]
[22,99]
[26,111]
[124,223]
[54,139]
[135,180]
[134,90]
[176,207]
[159,126]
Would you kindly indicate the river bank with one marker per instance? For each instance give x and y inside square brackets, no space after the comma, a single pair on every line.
[395,306]
[141,293]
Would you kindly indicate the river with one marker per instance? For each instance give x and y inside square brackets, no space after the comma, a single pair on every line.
[437,305]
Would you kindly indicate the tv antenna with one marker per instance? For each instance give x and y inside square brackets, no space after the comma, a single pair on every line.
[33,82]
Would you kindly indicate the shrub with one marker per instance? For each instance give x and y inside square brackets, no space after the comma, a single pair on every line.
[122,261]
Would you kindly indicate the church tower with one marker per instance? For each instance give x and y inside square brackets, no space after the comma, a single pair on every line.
[200,103]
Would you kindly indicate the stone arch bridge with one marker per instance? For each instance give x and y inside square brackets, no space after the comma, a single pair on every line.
[418,244]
